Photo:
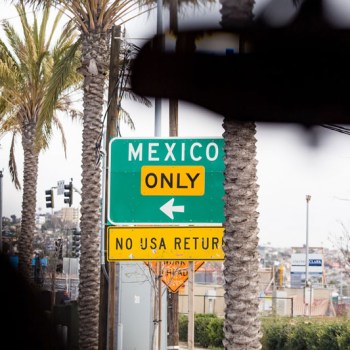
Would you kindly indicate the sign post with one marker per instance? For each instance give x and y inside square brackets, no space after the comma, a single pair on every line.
[60,187]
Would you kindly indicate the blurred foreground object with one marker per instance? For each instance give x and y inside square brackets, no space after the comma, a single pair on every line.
[297,73]
[24,322]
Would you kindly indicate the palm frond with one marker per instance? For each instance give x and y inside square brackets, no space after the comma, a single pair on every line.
[64,75]
[7,74]
[128,93]
[59,126]
[42,32]
[126,118]
[28,33]
[10,124]
[13,165]
[15,42]
[54,27]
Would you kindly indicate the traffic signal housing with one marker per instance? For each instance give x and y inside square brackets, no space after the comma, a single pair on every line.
[68,194]
[59,255]
[49,199]
[75,243]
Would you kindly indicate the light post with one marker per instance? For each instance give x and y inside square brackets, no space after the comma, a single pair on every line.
[308,198]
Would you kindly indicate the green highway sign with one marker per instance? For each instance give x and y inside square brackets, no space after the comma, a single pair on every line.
[167,181]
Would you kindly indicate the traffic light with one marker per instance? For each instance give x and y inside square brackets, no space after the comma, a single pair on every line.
[75,243]
[59,248]
[68,195]
[59,255]
[49,199]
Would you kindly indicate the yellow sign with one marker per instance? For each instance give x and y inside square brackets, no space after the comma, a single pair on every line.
[172,180]
[175,273]
[164,243]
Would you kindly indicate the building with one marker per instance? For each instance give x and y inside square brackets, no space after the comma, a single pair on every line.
[69,215]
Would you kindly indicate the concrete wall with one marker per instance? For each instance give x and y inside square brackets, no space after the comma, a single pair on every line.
[283,301]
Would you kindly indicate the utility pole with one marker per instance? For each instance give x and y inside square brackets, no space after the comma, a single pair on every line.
[190,335]
[109,286]
[173,298]
[307,284]
[157,133]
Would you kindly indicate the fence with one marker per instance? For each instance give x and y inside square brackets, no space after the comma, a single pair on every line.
[206,304]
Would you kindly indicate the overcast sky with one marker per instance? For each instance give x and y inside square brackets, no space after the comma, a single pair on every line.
[288,170]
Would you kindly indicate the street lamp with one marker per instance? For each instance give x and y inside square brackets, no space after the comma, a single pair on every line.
[307,284]
[308,198]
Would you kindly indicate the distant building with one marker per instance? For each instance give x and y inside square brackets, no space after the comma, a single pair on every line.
[69,215]
[316,271]
[40,219]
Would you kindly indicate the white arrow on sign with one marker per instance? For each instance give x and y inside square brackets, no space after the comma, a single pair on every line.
[169,208]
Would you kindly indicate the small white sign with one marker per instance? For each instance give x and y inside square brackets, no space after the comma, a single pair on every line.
[60,187]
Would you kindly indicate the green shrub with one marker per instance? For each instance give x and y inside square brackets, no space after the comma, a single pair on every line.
[208,329]
[183,327]
[201,322]
[329,338]
[275,334]
[303,336]
[215,330]
[344,338]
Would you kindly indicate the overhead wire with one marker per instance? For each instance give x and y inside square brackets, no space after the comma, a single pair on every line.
[338,128]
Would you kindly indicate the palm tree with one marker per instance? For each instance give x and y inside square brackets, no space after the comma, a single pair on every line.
[95,19]
[34,84]
[241,326]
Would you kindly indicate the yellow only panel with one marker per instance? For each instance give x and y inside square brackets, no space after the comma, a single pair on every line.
[164,243]
[172,180]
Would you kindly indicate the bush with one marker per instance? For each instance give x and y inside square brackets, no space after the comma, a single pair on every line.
[278,333]
[275,334]
[208,329]
[216,331]
[343,339]
[201,322]
[183,327]
[305,334]
[329,338]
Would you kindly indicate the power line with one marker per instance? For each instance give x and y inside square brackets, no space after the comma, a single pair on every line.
[337,128]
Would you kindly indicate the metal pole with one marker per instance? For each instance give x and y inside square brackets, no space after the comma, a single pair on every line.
[308,198]
[157,133]
[109,338]
[159,305]
[158,101]
[190,331]
[1,176]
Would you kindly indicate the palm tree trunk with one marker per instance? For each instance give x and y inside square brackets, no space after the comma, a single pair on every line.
[95,62]
[30,178]
[242,327]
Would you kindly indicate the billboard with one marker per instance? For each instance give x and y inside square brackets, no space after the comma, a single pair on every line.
[315,269]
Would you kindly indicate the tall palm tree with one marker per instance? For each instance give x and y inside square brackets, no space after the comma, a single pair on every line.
[35,81]
[95,19]
[241,326]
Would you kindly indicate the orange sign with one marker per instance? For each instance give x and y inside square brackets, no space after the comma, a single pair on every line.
[174,273]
